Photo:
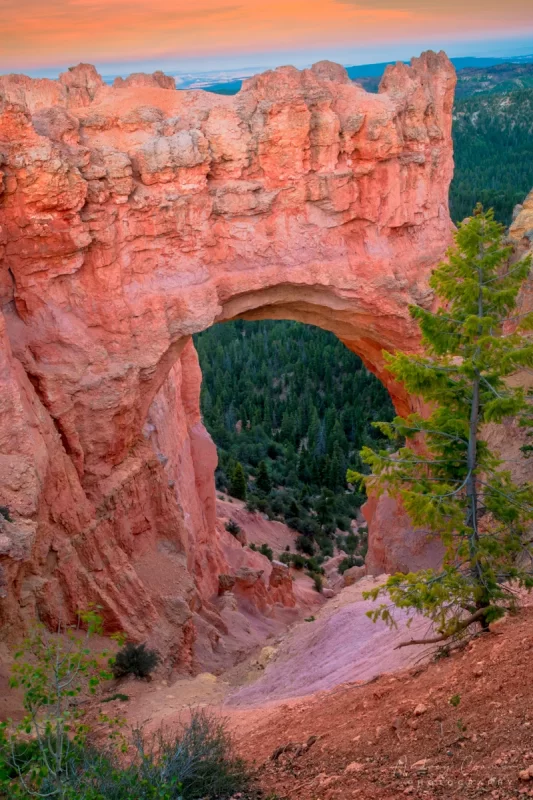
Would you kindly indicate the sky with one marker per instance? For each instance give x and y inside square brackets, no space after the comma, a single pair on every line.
[119,36]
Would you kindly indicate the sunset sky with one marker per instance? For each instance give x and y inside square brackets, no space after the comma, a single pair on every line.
[121,35]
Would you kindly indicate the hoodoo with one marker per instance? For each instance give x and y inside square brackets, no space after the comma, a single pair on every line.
[136,215]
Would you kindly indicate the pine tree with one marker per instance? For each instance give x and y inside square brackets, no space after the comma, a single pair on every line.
[238,482]
[263,481]
[447,477]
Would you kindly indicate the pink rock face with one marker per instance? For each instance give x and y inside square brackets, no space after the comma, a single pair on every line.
[130,218]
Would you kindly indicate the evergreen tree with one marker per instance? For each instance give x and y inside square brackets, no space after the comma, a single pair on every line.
[262,481]
[447,477]
[238,482]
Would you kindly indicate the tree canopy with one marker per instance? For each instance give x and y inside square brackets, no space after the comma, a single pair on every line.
[450,481]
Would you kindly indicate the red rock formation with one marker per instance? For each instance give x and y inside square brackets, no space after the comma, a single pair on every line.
[134,216]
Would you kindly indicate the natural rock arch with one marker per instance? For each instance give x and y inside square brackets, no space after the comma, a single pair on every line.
[134,216]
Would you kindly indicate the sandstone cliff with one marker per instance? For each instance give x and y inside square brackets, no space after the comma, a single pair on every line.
[133,216]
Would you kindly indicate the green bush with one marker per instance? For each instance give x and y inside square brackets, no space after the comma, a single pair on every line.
[251,504]
[298,561]
[350,561]
[232,527]
[313,565]
[117,696]
[135,659]
[305,545]
[343,523]
[318,581]
[266,551]
[196,763]
[49,753]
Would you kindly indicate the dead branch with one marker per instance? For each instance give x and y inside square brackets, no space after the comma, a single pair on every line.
[442,638]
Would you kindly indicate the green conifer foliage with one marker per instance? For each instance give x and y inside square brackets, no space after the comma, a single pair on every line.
[238,482]
[263,482]
[448,479]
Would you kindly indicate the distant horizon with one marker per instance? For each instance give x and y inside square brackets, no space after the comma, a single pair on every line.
[511,49]
[44,37]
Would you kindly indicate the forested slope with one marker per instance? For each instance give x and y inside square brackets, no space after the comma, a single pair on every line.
[493,141]
[292,399]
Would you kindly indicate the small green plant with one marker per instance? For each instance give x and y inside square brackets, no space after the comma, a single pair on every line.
[267,551]
[318,581]
[350,561]
[4,512]
[135,659]
[232,527]
[55,672]
[305,545]
[251,504]
[309,619]
[117,696]
[455,700]
[50,755]
[298,561]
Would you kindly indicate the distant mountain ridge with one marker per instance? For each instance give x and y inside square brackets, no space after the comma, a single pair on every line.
[369,75]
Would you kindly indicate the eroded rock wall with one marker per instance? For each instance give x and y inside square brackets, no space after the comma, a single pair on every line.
[133,216]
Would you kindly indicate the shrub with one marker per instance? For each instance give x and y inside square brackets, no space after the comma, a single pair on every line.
[4,512]
[117,696]
[313,566]
[305,545]
[48,754]
[232,527]
[285,558]
[318,581]
[195,764]
[262,504]
[351,543]
[135,659]
[298,561]
[343,523]
[221,480]
[266,551]
[251,504]
[326,545]
[350,561]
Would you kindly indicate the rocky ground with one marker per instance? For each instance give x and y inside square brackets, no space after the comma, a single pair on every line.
[460,726]
[329,709]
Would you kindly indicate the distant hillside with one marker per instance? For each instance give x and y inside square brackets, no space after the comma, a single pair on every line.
[369,75]
[493,141]
[499,78]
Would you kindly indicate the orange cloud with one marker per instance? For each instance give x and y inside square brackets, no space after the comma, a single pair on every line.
[34,32]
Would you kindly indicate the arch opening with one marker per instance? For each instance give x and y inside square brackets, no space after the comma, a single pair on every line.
[291,405]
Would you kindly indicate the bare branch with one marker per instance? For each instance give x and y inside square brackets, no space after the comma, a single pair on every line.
[479,614]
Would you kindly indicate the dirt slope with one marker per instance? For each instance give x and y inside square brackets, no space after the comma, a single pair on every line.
[401,736]
[340,644]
